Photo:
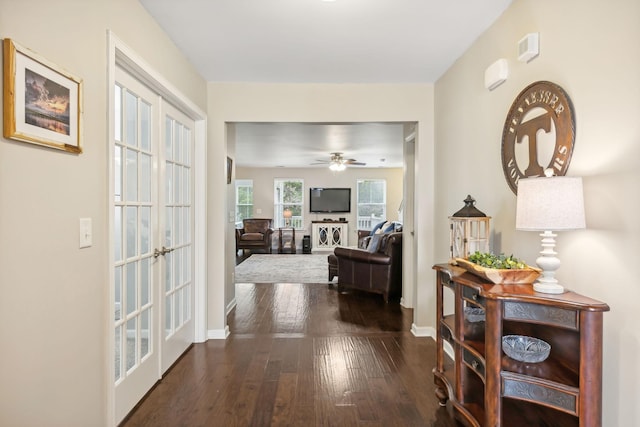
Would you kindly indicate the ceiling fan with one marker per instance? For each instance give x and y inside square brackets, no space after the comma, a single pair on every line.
[338,163]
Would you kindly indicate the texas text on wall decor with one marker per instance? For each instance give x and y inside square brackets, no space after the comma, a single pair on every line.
[539,133]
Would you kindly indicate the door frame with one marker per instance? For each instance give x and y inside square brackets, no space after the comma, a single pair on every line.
[121,55]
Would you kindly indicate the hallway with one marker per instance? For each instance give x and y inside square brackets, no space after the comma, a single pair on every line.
[302,355]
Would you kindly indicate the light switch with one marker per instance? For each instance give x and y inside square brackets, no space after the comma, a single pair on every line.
[258,211]
[86,233]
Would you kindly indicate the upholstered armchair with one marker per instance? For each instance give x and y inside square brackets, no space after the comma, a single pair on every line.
[377,269]
[255,234]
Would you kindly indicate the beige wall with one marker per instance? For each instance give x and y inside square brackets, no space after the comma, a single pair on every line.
[586,48]
[54,296]
[238,102]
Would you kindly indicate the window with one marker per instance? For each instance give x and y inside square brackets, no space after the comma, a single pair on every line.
[244,199]
[372,202]
[288,194]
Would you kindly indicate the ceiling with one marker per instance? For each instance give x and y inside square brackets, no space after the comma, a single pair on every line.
[316,41]
[302,144]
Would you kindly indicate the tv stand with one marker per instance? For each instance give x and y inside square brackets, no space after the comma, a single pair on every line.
[327,235]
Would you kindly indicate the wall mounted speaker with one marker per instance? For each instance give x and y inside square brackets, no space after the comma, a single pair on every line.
[496,74]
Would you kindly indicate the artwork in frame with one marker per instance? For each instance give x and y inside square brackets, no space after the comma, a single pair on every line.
[42,102]
[229,169]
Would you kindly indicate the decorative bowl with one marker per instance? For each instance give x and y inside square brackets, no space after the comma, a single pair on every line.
[474,314]
[525,349]
[500,276]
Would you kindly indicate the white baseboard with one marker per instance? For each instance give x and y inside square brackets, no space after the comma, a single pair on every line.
[231,306]
[218,334]
[403,304]
[428,331]
[448,349]
[423,331]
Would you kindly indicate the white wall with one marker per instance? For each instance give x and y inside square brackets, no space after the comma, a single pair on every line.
[329,103]
[585,47]
[53,306]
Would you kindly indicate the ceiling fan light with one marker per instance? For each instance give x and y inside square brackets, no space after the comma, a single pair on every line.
[337,166]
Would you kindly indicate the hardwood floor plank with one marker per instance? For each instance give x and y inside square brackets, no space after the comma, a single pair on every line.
[302,355]
[285,396]
[265,404]
[303,415]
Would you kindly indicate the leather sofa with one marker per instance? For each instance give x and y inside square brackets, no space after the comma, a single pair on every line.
[375,269]
[255,234]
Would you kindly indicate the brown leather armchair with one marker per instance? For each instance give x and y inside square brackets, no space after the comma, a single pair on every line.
[255,234]
[377,270]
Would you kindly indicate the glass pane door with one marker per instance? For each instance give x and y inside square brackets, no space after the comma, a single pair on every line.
[178,297]
[135,223]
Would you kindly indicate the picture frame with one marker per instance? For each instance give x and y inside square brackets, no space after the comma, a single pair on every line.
[229,169]
[42,102]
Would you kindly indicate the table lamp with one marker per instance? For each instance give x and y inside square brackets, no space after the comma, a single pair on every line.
[286,214]
[548,204]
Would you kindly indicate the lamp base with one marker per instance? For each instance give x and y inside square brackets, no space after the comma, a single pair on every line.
[548,288]
[548,263]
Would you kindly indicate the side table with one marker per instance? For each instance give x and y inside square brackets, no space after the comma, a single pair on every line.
[286,240]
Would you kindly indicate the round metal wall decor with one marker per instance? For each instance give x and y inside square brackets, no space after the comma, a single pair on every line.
[539,133]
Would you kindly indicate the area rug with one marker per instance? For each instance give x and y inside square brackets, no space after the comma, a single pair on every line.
[264,268]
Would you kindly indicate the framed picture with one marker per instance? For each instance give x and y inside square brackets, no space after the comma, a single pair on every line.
[42,102]
[229,169]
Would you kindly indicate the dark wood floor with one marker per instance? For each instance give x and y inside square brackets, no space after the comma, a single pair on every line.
[302,355]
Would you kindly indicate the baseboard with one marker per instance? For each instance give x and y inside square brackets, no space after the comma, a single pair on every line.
[448,349]
[423,331]
[403,304]
[218,334]
[231,306]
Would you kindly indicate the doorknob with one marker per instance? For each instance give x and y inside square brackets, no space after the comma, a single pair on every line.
[157,253]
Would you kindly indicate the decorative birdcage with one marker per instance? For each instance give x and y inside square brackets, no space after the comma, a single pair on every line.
[469,231]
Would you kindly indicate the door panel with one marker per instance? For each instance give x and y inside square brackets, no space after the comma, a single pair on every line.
[177,199]
[136,306]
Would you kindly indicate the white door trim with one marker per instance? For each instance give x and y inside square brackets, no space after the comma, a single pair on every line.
[118,53]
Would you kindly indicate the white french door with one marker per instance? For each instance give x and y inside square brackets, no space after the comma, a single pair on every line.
[177,235]
[153,294]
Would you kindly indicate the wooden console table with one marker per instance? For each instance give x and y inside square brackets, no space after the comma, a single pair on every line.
[485,386]
[286,240]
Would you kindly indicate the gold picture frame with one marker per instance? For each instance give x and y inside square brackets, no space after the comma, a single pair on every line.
[42,102]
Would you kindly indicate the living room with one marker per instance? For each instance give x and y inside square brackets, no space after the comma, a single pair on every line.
[262,180]
[391,160]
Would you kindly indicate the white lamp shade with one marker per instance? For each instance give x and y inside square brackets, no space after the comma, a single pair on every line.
[550,203]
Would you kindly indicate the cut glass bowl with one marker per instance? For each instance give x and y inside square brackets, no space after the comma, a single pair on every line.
[474,314]
[525,349]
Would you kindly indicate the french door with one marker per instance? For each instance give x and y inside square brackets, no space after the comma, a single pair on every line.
[153,295]
[177,232]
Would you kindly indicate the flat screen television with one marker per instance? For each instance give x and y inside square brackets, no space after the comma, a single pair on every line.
[329,200]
